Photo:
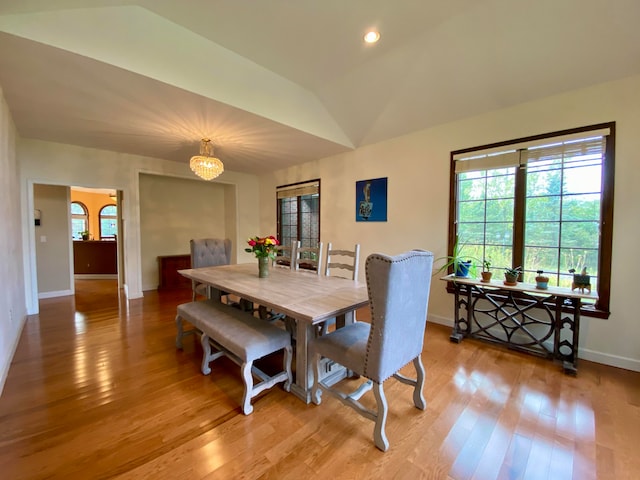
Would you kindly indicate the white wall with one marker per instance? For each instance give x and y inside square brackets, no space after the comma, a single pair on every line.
[169,218]
[12,298]
[59,164]
[417,167]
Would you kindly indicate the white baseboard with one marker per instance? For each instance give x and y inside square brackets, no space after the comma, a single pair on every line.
[608,359]
[447,322]
[11,353]
[59,293]
[583,353]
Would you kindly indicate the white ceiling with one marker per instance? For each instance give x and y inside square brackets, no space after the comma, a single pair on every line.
[275,83]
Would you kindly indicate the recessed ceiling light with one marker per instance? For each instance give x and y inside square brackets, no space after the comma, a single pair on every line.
[372,36]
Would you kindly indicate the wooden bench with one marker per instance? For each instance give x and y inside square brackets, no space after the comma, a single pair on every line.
[241,337]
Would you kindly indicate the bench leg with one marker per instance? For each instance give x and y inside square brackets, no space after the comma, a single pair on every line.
[181,333]
[247,408]
[207,355]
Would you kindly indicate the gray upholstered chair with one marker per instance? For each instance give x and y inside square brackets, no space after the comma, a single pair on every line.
[208,252]
[398,297]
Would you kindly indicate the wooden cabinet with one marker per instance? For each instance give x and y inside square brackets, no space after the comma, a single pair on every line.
[168,266]
[95,257]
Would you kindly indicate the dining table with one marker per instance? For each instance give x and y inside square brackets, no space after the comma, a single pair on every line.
[305,297]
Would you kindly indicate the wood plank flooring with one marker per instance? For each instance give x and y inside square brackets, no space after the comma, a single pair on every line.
[97,390]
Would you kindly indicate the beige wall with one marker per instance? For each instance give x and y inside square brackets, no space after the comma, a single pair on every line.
[94,201]
[58,164]
[417,167]
[170,216]
[53,241]
[12,297]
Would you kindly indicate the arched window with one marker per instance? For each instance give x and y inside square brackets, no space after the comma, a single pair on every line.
[108,222]
[79,220]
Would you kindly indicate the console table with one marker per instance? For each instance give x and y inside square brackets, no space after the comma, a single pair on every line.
[521,317]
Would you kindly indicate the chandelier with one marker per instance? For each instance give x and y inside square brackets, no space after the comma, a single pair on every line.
[206,165]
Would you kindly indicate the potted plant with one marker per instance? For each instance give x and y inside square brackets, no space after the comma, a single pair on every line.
[511,275]
[542,281]
[461,264]
[581,280]
[85,235]
[486,271]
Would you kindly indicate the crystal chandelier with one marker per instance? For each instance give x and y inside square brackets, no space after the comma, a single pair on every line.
[206,165]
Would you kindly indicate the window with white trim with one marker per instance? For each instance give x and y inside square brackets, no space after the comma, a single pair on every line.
[108,222]
[79,220]
[542,203]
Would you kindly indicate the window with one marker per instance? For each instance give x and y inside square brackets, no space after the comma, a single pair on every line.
[108,222]
[79,220]
[299,213]
[543,203]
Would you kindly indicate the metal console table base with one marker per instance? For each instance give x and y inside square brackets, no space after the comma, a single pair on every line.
[541,322]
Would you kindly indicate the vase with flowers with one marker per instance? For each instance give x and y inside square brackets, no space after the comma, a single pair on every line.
[264,248]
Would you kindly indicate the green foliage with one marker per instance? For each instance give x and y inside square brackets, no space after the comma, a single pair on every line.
[455,259]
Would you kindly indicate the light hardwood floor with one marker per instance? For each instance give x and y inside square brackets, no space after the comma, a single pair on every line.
[97,390]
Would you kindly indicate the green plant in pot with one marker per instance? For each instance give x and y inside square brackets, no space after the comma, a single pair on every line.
[542,281]
[85,235]
[581,281]
[486,271]
[511,275]
[460,264]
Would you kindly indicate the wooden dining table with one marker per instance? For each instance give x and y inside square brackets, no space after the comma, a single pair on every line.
[307,298]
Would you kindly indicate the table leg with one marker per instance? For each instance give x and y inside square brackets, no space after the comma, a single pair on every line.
[304,374]
[304,367]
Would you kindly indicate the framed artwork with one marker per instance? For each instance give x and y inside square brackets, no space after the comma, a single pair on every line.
[371,200]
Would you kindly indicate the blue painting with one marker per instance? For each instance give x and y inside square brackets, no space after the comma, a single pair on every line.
[371,200]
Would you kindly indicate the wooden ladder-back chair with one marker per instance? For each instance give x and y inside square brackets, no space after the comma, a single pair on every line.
[349,261]
[398,290]
[310,258]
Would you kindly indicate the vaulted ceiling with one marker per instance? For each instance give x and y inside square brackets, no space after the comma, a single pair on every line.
[275,83]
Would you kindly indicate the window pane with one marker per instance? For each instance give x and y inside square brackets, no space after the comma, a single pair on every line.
[500,210]
[471,233]
[78,225]
[500,256]
[543,208]
[77,209]
[110,210]
[500,186]
[581,207]
[542,234]
[471,211]
[578,259]
[499,233]
[583,179]
[580,234]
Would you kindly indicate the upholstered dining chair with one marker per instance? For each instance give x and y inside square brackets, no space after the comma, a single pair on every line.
[208,252]
[398,290]
[310,257]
